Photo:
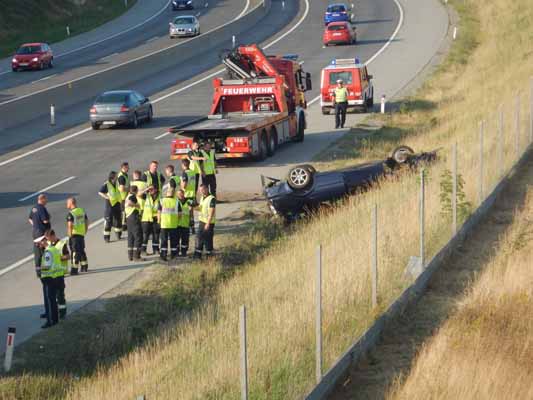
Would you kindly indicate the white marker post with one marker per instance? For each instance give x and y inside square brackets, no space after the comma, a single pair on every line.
[52,114]
[68,30]
[233,41]
[283,5]
[383,101]
[126,3]
[454,32]
[10,346]
[244,353]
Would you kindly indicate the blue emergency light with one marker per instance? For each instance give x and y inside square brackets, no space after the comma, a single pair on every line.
[292,57]
[344,61]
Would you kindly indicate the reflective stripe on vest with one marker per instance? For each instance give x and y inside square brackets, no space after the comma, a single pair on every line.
[113,194]
[185,219]
[78,223]
[204,209]
[124,193]
[64,263]
[128,210]
[51,263]
[209,163]
[341,95]
[150,209]
[169,213]
[190,188]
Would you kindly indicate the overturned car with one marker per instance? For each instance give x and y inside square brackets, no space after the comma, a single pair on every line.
[305,189]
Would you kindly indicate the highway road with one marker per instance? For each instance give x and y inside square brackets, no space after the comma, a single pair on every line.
[397,41]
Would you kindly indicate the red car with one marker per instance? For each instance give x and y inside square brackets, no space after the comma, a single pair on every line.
[32,56]
[340,32]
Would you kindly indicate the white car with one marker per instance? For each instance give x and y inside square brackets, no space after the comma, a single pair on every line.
[184,25]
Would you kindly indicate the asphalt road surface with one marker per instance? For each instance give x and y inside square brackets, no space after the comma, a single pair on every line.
[398,43]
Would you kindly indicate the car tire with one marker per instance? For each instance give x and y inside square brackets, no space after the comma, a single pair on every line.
[325,111]
[150,116]
[301,129]
[15,69]
[300,177]
[272,143]
[402,154]
[41,65]
[95,126]
[134,121]
[51,63]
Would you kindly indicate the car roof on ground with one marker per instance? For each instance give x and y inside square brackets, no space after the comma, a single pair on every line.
[184,16]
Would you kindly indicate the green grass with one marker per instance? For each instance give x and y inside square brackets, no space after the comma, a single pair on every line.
[46,20]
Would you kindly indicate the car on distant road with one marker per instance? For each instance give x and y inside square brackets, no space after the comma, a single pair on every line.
[336,13]
[184,25]
[339,33]
[120,107]
[32,56]
[182,5]
[305,189]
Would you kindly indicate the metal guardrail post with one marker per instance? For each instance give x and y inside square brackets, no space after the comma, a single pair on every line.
[454,189]
[500,143]
[318,320]
[481,167]
[374,266]
[422,205]
[244,353]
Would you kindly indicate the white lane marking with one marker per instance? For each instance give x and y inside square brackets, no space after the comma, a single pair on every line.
[44,79]
[109,37]
[38,149]
[109,68]
[152,39]
[161,136]
[243,11]
[382,49]
[48,188]
[109,56]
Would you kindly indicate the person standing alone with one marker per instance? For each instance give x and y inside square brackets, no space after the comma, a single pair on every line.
[77,223]
[39,219]
[206,226]
[341,104]
[59,275]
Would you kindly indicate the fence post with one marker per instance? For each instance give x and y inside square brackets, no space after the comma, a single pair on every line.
[318,304]
[531,110]
[422,216]
[10,345]
[500,142]
[244,354]
[454,189]
[481,167]
[374,256]
[517,132]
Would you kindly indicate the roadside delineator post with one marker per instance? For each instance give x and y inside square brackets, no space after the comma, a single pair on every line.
[126,3]
[517,128]
[318,319]
[52,114]
[530,110]
[374,266]
[10,346]
[481,167]
[233,41]
[422,217]
[454,189]
[454,32]
[68,30]
[244,353]
[283,5]
[383,101]
[500,143]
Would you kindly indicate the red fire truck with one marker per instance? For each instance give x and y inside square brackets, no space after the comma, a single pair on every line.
[261,106]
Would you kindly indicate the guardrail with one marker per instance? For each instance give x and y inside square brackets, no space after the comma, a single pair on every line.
[120,76]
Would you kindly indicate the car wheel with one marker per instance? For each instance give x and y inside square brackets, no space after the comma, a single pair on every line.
[41,66]
[402,154]
[15,69]
[272,144]
[135,121]
[150,116]
[51,63]
[300,177]
[95,126]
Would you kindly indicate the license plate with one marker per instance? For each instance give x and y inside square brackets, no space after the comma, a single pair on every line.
[181,151]
[336,15]
[110,122]
[23,64]
[337,34]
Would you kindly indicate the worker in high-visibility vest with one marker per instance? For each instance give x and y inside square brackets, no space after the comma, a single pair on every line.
[59,275]
[149,222]
[142,188]
[174,181]
[206,226]
[185,210]
[188,179]
[153,177]
[341,104]
[133,220]
[209,177]
[113,211]
[196,162]
[123,181]
[77,225]
[167,216]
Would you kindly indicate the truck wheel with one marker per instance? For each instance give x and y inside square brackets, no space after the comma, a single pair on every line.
[402,154]
[371,102]
[272,144]
[300,177]
[325,111]
[301,129]
[263,147]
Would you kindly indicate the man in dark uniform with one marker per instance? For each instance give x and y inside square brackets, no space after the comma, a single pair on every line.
[206,226]
[123,182]
[113,211]
[153,177]
[196,162]
[39,219]
[133,220]
[77,225]
[59,276]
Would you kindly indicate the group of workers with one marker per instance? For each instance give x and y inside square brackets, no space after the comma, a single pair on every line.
[160,207]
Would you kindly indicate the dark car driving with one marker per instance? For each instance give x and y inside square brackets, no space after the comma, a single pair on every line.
[120,107]
[182,5]
[305,189]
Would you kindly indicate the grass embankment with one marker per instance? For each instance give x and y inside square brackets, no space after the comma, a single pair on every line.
[199,357]
[24,21]
[484,350]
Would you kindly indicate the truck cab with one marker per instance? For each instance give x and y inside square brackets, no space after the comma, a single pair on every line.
[356,80]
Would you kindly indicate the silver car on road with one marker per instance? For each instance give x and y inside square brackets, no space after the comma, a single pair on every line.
[120,107]
[184,25]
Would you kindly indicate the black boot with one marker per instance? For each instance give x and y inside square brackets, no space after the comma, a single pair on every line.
[107,239]
[63,313]
[130,255]
[137,256]
[74,271]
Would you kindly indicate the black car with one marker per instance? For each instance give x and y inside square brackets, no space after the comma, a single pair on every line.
[305,189]
[182,5]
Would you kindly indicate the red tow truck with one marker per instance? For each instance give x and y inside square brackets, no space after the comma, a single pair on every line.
[261,106]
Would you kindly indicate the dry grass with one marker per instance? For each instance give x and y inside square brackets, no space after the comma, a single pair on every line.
[198,358]
[484,350]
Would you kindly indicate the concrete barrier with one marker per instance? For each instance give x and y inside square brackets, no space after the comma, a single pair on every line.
[120,76]
[370,338]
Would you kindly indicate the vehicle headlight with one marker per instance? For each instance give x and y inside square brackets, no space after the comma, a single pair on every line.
[189,2]
[14,60]
[189,30]
[35,59]
[175,2]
